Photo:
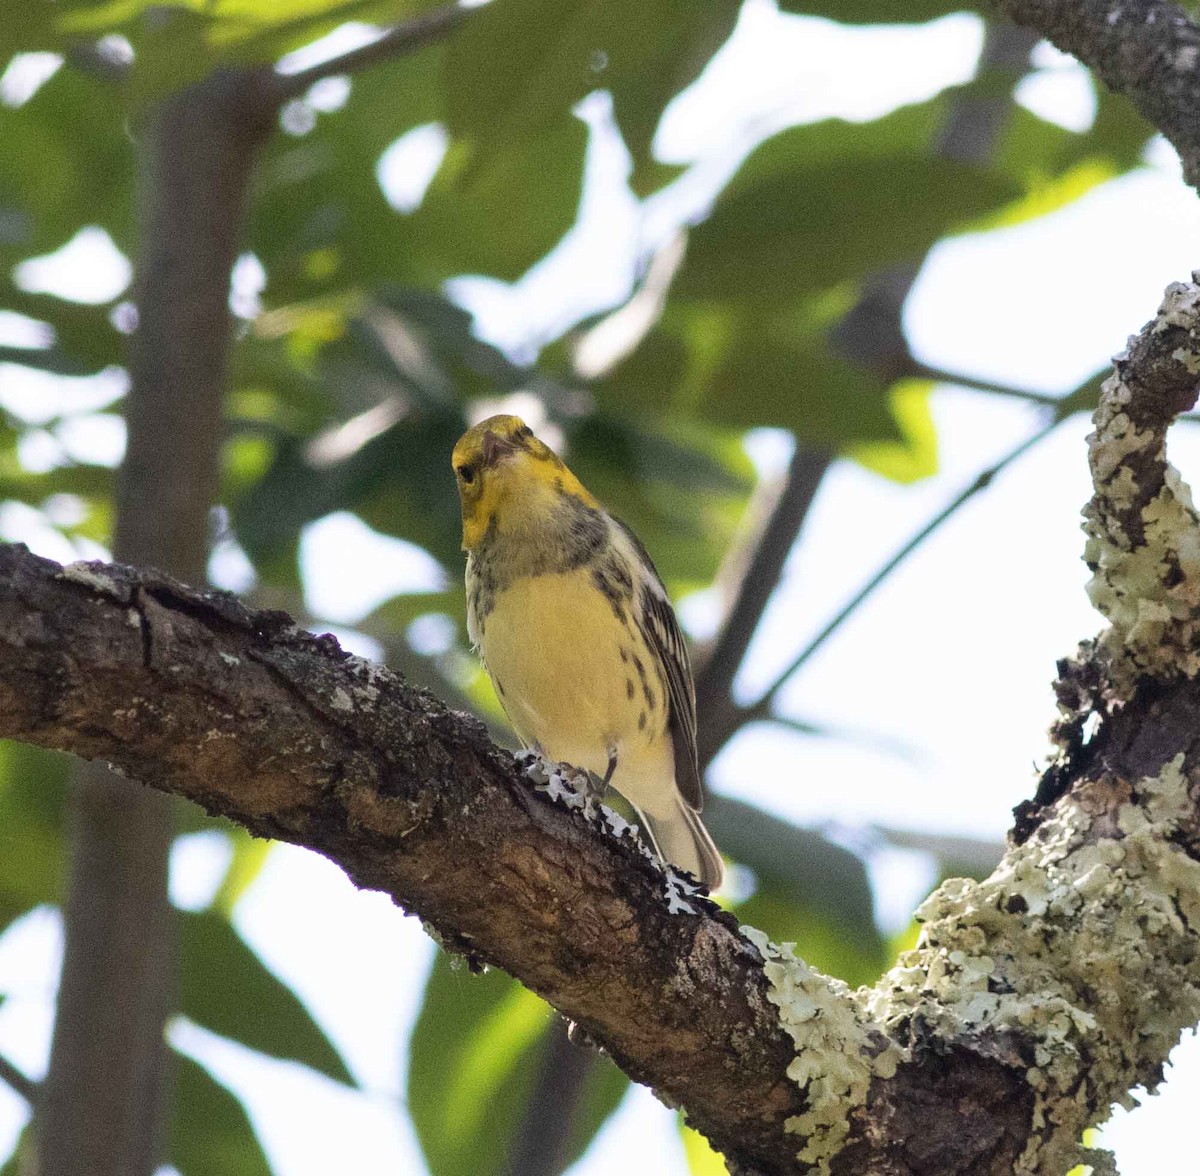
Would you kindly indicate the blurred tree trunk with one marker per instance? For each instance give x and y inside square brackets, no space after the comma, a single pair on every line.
[102,1111]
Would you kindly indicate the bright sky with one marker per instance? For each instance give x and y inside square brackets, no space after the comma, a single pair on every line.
[953,657]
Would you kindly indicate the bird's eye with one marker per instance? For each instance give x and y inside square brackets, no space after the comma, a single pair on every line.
[466,474]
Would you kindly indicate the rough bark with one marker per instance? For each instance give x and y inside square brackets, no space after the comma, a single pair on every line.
[103,1108]
[1148,50]
[254,719]
[1034,1000]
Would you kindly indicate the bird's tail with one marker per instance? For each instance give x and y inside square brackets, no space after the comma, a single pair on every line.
[681,839]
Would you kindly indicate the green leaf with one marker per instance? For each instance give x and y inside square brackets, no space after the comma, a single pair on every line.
[249,857]
[225,987]
[447,332]
[320,220]
[1083,398]
[810,891]
[811,227]
[532,190]
[83,335]
[398,482]
[603,1088]
[263,30]
[32,803]
[21,1159]
[701,1159]
[680,485]
[737,368]
[395,615]
[914,457]
[1118,131]
[178,43]
[45,359]
[518,66]
[173,48]
[475,1057]
[470,1070]
[65,161]
[210,1132]
[25,28]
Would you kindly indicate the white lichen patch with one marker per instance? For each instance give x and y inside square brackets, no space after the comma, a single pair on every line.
[839,1047]
[82,572]
[1146,584]
[373,676]
[677,892]
[1180,305]
[230,659]
[560,782]
[1151,594]
[1076,959]
[575,789]
[340,700]
[616,824]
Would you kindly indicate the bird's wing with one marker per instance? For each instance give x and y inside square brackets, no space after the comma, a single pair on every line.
[660,630]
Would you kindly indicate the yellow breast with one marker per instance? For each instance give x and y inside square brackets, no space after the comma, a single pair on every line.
[574,677]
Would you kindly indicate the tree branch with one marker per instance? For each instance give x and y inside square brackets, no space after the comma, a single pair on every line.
[426,28]
[1034,999]
[714,678]
[871,334]
[923,371]
[550,1117]
[102,1113]
[258,721]
[26,1088]
[762,708]
[1148,50]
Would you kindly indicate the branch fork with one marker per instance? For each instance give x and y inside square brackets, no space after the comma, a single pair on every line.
[1033,1001]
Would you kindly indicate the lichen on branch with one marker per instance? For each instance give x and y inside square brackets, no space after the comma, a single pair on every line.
[1033,1001]
[1074,964]
[1143,543]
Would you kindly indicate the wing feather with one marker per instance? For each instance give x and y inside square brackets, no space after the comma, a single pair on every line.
[664,638]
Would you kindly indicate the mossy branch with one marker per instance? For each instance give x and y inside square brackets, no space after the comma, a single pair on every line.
[1034,1000]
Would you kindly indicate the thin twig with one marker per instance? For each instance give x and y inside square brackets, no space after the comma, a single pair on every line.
[401,39]
[13,1078]
[758,580]
[868,739]
[977,854]
[762,708]
[923,371]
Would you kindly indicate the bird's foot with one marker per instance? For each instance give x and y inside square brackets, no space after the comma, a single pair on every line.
[563,783]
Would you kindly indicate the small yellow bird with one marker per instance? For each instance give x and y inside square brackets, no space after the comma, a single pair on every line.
[578,635]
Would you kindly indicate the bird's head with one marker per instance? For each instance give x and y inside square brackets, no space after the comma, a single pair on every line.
[502,471]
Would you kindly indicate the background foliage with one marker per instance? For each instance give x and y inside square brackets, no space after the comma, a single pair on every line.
[354,372]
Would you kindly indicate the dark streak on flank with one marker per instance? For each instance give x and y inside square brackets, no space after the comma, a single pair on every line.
[641,671]
[642,721]
[612,581]
[630,689]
